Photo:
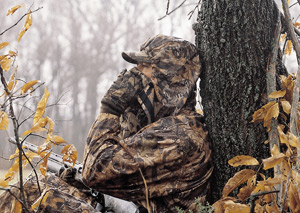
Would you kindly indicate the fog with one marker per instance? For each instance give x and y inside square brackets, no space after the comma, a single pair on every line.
[75,48]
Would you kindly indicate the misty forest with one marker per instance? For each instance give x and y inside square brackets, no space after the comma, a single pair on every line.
[58,58]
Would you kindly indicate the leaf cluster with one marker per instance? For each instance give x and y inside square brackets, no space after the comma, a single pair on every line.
[14,91]
[256,192]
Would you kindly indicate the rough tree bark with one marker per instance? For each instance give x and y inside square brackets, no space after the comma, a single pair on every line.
[234,39]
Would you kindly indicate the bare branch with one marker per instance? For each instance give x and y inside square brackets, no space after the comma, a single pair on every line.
[168,13]
[296,45]
[271,87]
[20,20]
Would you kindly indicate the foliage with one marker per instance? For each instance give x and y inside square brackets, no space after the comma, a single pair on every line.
[255,191]
[14,93]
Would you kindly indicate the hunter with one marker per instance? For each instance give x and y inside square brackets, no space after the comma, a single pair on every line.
[148,134]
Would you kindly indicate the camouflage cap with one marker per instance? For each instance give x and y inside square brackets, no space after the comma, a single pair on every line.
[160,48]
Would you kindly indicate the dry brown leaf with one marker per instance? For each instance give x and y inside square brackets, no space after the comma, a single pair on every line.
[245,160]
[286,106]
[231,207]
[273,161]
[293,198]
[219,205]
[277,94]
[239,178]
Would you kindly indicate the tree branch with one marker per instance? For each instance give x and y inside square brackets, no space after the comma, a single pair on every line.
[16,128]
[168,13]
[296,45]
[20,20]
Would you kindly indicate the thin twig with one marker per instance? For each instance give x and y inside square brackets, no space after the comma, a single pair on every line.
[192,12]
[146,191]
[35,173]
[254,195]
[16,128]
[172,11]
[20,20]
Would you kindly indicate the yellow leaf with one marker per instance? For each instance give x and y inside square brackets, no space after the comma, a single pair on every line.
[289,47]
[27,24]
[34,129]
[239,178]
[3,44]
[21,35]
[273,161]
[40,110]
[43,164]
[293,140]
[297,25]
[232,207]
[286,106]
[12,53]
[5,63]
[3,121]
[12,82]
[13,9]
[277,94]
[12,171]
[50,125]
[28,85]
[18,207]
[42,199]
[272,112]
[245,160]
[70,154]
[56,139]
[273,181]
[283,137]
[3,183]
[28,21]
[43,148]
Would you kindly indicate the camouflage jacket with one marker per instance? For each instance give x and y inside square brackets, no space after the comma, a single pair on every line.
[132,147]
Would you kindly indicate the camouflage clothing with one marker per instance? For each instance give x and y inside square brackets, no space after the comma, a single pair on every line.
[148,129]
[61,197]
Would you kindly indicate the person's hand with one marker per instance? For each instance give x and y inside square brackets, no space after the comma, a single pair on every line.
[122,92]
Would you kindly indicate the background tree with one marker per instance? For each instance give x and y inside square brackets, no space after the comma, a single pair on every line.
[235,40]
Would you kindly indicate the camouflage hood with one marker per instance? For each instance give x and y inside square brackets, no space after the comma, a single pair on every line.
[176,68]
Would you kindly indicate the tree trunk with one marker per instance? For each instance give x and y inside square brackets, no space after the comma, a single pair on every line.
[234,39]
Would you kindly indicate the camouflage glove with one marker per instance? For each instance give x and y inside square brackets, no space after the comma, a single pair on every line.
[123,92]
[68,175]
